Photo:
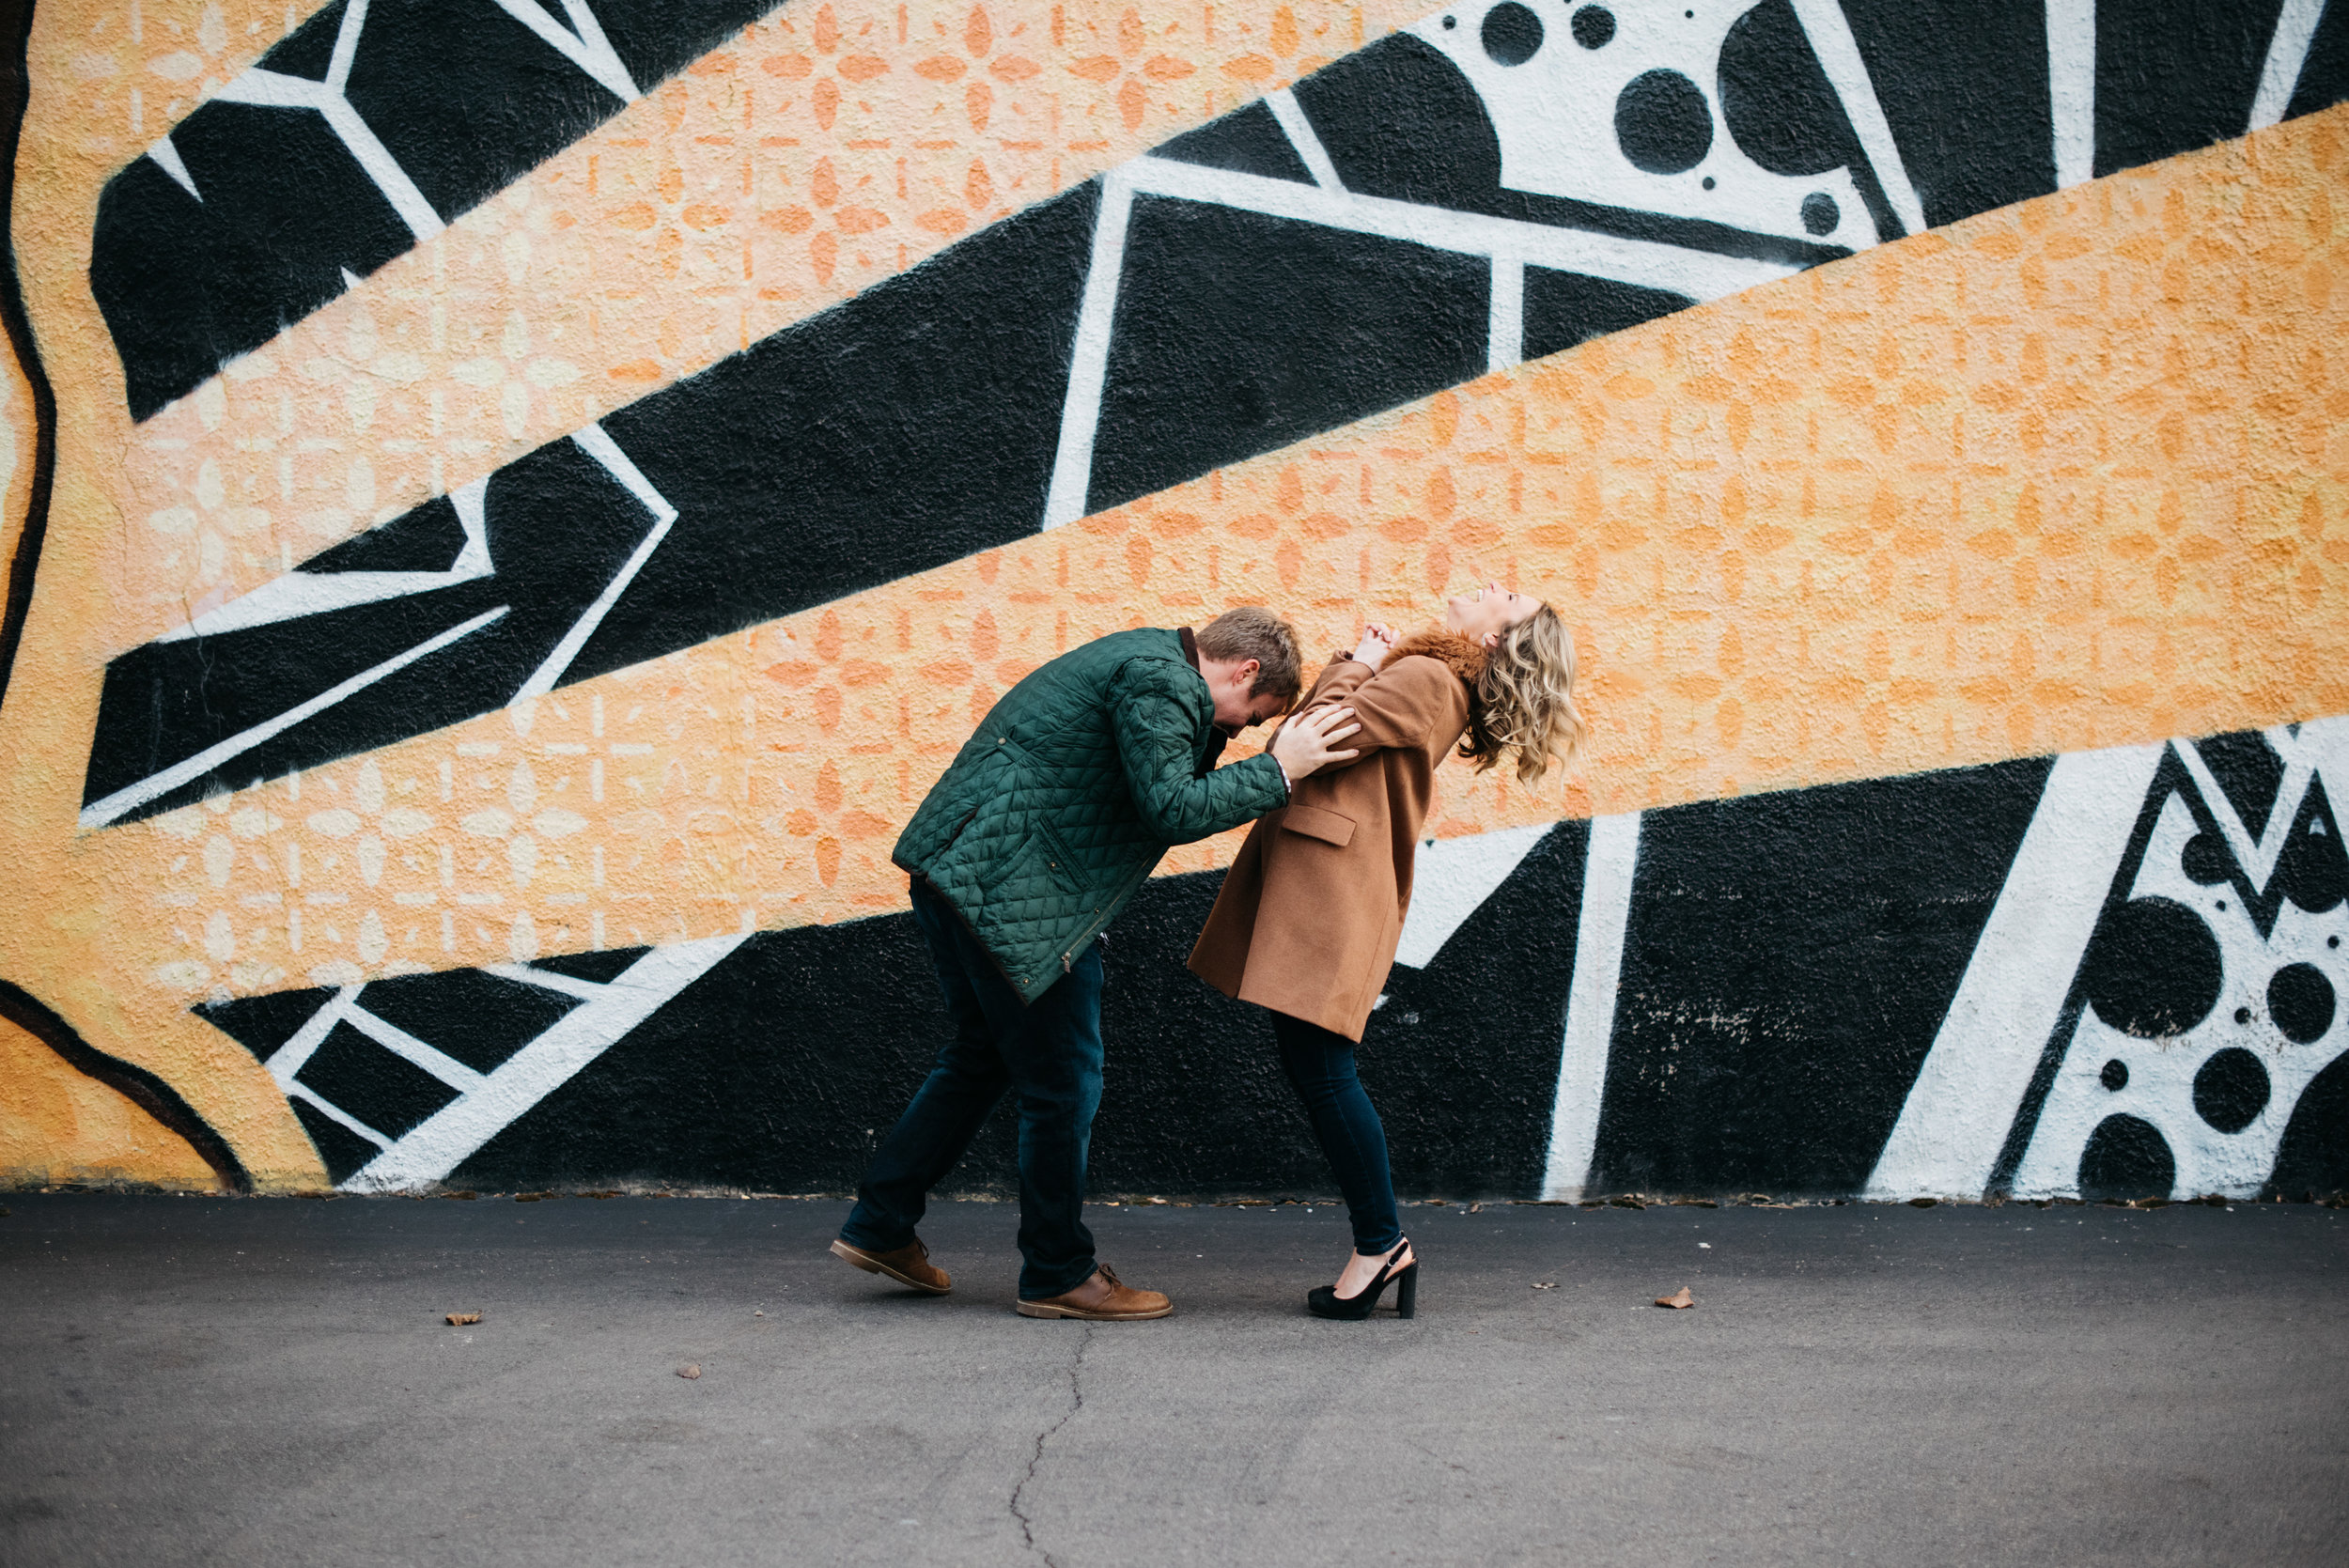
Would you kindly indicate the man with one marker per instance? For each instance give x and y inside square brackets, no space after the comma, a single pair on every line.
[1052,815]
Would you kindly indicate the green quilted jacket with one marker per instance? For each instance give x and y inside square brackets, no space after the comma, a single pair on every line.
[1078,781]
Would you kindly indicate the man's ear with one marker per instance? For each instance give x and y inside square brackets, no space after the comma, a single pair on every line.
[1246,674]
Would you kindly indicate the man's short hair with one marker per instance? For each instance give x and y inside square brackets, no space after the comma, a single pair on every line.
[1252,631]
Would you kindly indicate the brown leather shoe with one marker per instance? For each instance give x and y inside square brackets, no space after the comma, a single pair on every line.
[1100,1299]
[908,1264]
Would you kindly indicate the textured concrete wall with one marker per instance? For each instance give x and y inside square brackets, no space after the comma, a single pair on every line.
[507,518]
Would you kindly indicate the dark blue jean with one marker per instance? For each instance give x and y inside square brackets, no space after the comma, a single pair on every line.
[1320,1068]
[1046,1053]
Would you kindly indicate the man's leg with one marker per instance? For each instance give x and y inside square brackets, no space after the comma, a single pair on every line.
[947,1111]
[1053,1051]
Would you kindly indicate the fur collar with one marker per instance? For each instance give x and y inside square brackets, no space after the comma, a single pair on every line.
[1462,656]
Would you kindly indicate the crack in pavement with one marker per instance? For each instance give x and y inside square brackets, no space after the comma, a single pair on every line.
[1076,1403]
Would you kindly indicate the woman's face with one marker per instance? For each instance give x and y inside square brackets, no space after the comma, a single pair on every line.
[1488,612]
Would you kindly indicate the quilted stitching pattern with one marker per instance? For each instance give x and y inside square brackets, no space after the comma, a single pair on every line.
[1078,781]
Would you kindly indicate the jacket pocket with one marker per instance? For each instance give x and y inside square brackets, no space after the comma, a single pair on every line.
[1039,861]
[1319,822]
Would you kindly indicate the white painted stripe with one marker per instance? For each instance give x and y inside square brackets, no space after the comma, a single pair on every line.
[1967,1094]
[600,446]
[267,89]
[130,797]
[470,500]
[1450,879]
[298,594]
[597,443]
[168,158]
[333,1113]
[1699,274]
[1089,355]
[1598,941]
[382,168]
[346,46]
[1504,325]
[2071,89]
[2287,51]
[569,986]
[1301,136]
[445,1138]
[423,1053]
[584,43]
[1830,34]
[294,1055]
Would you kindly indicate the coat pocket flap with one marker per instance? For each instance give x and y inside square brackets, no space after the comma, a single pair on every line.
[1317,822]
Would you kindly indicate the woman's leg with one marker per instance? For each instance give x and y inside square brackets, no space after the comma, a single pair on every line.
[1320,1068]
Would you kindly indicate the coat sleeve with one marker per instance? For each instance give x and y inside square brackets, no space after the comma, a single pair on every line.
[1158,734]
[1397,706]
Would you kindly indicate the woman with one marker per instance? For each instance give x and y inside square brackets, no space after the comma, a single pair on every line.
[1308,920]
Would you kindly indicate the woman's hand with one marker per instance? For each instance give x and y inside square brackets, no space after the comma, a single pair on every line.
[1377,643]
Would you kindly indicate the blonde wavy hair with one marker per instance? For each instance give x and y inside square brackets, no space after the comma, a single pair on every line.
[1525,700]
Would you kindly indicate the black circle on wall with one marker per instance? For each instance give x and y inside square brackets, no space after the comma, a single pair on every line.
[1593,27]
[2230,1090]
[1819,214]
[2206,859]
[1511,32]
[2127,1158]
[1662,123]
[2153,969]
[2300,1000]
[2116,1074]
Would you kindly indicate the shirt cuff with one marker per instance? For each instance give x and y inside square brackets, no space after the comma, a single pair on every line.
[1287,789]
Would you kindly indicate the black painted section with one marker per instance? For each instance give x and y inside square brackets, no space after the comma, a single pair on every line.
[387,1092]
[466,100]
[340,1150]
[2127,1158]
[2314,1159]
[2248,771]
[559,527]
[426,540]
[1237,333]
[1562,309]
[1964,87]
[600,968]
[2173,76]
[261,1024]
[1788,961]
[1246,141]
[2324,74]
[477,1017]
[912,426]
[499,101]
[187,285]
[770,1070]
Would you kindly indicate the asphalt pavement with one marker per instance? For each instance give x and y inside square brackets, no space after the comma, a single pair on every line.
[261,1382]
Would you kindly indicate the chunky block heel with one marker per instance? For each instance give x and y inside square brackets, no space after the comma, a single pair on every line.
[1407,1292]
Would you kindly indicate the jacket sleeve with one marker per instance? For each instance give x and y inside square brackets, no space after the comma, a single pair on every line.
[1396,706]
[1158,733]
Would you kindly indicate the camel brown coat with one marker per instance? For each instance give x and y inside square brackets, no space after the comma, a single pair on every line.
[1309,917]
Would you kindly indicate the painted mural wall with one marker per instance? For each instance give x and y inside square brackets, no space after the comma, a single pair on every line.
[510,505]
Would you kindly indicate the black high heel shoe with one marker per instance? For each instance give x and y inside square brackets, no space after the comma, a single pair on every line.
[1325,1301]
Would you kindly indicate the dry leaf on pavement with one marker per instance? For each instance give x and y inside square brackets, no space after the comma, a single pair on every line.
[459,1320]
[691,1368]
[1678,1299]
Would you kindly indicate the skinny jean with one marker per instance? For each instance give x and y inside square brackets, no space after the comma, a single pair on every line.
[1320,1068]
[1046,1053]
